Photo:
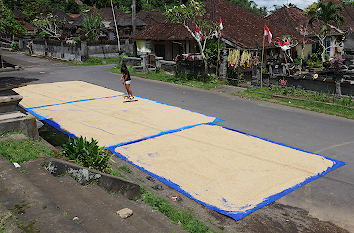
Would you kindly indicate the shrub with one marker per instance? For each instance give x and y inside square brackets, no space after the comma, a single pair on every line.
[87,153]
[42,35]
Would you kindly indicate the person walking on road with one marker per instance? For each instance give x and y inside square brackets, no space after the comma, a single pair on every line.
[126,80]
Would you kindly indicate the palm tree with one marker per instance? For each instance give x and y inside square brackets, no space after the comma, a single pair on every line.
[330,15]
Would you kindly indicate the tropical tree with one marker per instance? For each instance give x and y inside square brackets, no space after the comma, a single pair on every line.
[330,16]
[190,17]
[72,7]
[91,26]
[251,6]
[8,24]
[50,24]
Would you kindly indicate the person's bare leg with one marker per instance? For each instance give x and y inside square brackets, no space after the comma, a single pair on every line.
[127,89]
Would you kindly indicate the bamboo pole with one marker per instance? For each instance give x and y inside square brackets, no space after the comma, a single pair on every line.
[115,23]
[217,64]
[262,59]
[286,63]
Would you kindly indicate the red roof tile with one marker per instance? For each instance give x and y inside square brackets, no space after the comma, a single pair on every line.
[241,27]
[151,17]
[294,18]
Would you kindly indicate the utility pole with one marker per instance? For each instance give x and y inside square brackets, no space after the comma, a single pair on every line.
[115,23]
[134,26]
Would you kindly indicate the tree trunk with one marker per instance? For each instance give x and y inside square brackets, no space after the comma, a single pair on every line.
[203,57]
[135,52]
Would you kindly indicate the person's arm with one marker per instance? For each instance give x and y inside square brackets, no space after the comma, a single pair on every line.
[124,77]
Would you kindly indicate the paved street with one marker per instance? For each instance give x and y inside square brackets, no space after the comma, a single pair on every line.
[328,198]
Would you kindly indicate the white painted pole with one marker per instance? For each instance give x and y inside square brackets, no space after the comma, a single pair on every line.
[115,23]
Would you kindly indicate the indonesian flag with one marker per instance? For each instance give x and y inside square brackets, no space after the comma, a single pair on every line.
[268,33]
[198,34]
[221,27]
[284,46]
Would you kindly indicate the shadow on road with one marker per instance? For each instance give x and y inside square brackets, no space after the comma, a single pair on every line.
[12,82]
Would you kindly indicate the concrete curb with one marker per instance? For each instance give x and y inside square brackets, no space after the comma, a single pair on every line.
[84,175]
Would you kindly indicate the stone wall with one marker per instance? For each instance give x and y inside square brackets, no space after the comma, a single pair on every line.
[322,84]
[79,51]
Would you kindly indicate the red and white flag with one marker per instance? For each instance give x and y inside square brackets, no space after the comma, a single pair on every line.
[268,33]
[221,27]
[284,46]
[198,34]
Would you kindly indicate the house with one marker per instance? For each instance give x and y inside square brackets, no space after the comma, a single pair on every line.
[124,23]
[242,29]
[19,16]
[163,39]
[294,19]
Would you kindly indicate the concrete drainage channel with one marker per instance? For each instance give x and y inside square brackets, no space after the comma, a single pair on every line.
[84,176]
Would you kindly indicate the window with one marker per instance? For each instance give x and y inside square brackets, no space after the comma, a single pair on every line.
[328,44]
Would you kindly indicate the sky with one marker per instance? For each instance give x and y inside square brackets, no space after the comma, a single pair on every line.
[269,3]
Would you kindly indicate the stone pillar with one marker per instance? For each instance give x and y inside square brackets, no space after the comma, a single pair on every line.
[338,81]
[144,62]
[61,50]
[283,69]
[84,51]
[45,48]
[223,65]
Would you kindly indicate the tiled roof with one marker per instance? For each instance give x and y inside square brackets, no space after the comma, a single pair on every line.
[241,27]
[62,15]
[151,17]
[28,26]
[293,18]
[122,18]
[18,14]
[164,31]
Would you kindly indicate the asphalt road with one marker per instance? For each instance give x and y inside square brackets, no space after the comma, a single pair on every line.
[330,198]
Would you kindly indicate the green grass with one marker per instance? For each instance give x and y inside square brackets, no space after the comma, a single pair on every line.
[126,169]
[187,219]
[116,173]
[304,99]
[94,61]
[164,77]
[22,151]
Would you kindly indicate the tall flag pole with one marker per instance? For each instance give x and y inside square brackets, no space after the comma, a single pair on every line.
[221,27]
[269,34]
[115,23]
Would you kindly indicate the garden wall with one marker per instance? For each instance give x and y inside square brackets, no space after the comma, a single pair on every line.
[323,83]
[79,51]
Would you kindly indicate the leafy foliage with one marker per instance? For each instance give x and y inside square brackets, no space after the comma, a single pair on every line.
[186,218]
[87,153]
[189,16]
[328,13]
[251,6]
[72,7]
[23,151]
[32,7]
[91,26]
[50,24]
[211,52]
[8,24]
